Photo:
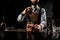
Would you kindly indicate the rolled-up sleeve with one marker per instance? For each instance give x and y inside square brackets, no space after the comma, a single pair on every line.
[43,18]
[20,17]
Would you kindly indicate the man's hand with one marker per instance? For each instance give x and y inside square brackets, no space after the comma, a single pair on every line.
[27,10]
[29,26]
[38,27]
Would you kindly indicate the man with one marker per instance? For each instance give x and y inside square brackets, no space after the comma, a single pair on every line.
[35,15]
[43,19]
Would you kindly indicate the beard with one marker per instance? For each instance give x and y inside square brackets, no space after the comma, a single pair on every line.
[34,3]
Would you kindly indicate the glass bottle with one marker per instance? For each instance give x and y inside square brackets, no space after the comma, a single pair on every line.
[3,24]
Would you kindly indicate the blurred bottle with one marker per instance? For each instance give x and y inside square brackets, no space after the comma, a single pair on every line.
[3,24]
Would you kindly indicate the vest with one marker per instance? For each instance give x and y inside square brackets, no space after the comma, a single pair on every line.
[34,17]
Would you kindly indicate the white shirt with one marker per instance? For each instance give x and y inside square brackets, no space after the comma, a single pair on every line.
[43,16]
[37,8]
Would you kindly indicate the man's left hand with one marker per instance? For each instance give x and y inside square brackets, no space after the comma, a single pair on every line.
[39,27]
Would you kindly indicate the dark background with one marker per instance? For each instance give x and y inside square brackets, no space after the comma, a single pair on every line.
[12,8]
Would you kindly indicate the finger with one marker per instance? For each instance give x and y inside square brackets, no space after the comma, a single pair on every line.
[35,26]
[39,27]
[28,8]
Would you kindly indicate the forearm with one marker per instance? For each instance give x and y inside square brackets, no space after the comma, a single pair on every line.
[21,17]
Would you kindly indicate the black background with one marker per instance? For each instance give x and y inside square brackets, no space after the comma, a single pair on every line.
[12,8]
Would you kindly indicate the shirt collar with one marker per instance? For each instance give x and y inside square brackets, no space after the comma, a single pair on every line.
[36,6]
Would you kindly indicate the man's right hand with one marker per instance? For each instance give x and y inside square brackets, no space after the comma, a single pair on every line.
[26,10]
[29,26]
